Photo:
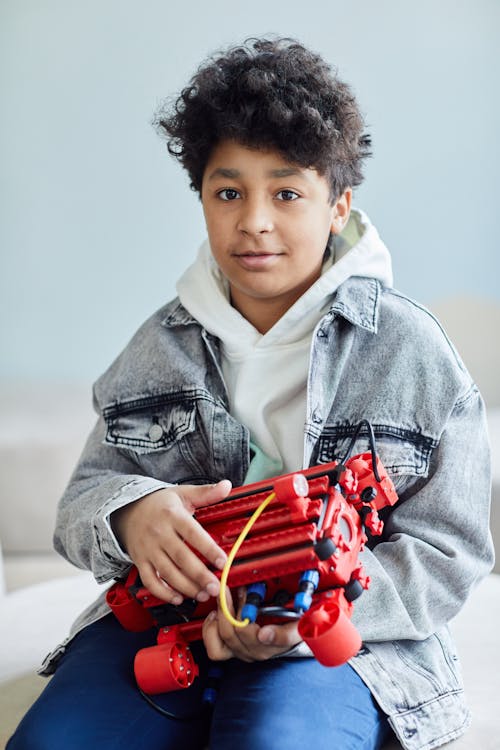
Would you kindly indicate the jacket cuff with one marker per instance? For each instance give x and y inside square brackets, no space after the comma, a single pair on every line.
[110,560]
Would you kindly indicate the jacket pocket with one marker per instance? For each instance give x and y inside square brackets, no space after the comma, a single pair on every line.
[151,423]
[169,436]
[434,660]
[405,453]
[426,670]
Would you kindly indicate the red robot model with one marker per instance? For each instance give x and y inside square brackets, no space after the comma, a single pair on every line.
[293,542]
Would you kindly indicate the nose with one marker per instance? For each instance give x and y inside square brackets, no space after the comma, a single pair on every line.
[255,216]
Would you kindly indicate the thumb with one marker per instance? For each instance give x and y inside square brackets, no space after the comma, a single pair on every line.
[267,635]
[196,496]
[281,636]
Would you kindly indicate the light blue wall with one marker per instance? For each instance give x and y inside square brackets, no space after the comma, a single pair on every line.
[97,222]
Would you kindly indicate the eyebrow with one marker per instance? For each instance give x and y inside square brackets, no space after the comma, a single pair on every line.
[232,174]
[286,172]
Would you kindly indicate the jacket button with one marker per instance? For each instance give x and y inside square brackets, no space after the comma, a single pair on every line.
[155,433]
[409,732]
[316,417]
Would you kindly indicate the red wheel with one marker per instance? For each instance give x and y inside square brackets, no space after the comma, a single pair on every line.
[329,633]
[163,668]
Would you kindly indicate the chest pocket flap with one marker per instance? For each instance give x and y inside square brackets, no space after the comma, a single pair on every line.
[152,423]
[405,453]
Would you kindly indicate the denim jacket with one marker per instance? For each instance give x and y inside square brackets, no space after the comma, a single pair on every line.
[375,355]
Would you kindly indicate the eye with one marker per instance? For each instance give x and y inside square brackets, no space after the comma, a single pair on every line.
[287,195]
[228,194]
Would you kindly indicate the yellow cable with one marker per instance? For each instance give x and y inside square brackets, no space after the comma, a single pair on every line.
[225,572]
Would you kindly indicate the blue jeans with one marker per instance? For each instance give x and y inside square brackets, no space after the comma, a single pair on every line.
[92,701]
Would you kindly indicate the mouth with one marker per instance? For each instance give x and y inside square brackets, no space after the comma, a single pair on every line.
[255,253]
[256,259]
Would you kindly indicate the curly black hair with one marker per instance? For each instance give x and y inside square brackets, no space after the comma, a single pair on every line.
[269,93]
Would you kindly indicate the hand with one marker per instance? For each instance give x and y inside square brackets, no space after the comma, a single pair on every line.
[156,531]
[252,643]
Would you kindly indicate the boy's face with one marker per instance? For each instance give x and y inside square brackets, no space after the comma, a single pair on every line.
[268,223]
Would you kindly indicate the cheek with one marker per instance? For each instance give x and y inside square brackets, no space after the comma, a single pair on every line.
[216,232]
[311,239]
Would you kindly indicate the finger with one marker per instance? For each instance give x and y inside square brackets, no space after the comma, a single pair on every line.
[197,496]
[231,635]
[170,584]
[225,626]
[281,637]
[197,537]
[275,643]
[177,579]
[181,547]
[186,581]
[158,587]
[216,647]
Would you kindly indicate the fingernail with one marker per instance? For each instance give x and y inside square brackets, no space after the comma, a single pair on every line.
[212,588]
[267,635]
[177,599]
[220,562]
[202,596]
[211,616]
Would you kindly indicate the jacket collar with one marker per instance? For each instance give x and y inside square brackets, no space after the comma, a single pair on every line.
[178,316]
[356,300]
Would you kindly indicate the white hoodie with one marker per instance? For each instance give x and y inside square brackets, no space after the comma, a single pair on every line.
[266,374]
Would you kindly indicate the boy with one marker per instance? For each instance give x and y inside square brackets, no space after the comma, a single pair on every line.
[285,335]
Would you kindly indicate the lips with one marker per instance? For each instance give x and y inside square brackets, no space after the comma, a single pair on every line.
[256,252]
[255,260]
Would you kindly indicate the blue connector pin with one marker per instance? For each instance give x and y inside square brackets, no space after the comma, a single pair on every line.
[254,598]
[307,586]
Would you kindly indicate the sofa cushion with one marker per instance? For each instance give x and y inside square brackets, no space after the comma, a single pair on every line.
[42,432]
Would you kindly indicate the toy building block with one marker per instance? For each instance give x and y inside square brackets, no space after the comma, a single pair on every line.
[299,560]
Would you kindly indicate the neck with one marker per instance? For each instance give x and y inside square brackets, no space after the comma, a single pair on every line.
[264,313]
[262,316]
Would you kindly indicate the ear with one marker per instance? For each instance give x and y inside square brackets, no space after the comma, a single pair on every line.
[341,210]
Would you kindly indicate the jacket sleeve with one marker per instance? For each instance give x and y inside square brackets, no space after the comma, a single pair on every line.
[437,543]
[103,481]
